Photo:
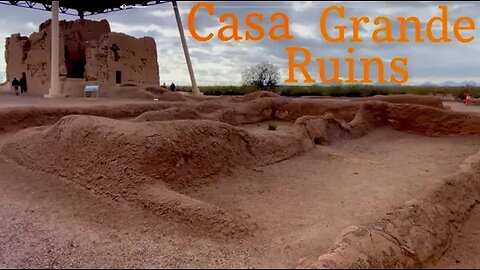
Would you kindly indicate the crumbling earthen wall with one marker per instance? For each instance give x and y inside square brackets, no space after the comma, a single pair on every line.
[136,59]
[85,53]
[75,35]
[30,55]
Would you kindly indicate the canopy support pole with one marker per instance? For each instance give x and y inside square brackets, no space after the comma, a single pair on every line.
[54,90]
[195,89]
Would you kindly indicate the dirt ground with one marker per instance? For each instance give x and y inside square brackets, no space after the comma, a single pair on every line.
[461,107]
[300,206]
[465,250]
[466,245]
[296,201]
[304,203]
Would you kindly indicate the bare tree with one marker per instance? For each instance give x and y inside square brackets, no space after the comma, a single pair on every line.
[264,76]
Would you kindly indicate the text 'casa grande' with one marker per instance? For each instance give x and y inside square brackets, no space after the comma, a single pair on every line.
[436,30]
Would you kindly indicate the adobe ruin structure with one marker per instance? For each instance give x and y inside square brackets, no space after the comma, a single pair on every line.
[89,53]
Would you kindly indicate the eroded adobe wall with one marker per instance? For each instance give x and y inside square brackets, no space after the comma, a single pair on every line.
[32,54]
[135,58]
[75,35]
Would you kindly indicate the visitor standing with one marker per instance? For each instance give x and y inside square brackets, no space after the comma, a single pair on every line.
[23,85]
[172,87]
[15,84]
[467,100]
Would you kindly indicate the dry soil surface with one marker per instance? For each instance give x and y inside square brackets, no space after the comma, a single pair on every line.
[300,206]
[465,249]
[461,107]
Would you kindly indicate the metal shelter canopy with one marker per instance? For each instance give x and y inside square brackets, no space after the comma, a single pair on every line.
[83,7]
[89,8]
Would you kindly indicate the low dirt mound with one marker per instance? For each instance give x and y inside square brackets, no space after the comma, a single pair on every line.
[200,217]
[411,236]
[176,113]
[14,119]
[266,109]
[292,109]
[156,90]
[133,92]
[120,159]
[418,119]
[286,109]
[247,113]
[423,120]
[137,92]
[431,101]
[179,153]
[222,108]
[258,94]
[325,129]
[164,94]
[432,121]
[419,232]
[211,106]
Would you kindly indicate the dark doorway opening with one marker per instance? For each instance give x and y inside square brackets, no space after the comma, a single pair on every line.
[118,77]
[75,60]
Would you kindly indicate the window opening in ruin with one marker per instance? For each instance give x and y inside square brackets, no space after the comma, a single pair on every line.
[115,50]
[75,60]
[26,49]
[118,77]
[66,53]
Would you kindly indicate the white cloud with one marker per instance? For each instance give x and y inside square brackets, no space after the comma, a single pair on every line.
[302,5]
[32,26]
[132,28]
[162,13]
[167,12]
[304,30]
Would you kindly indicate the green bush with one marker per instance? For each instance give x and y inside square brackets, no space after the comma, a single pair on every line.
[344,90]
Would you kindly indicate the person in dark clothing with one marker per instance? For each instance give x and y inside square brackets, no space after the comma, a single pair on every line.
[15,84]
[23,85]
[172,87]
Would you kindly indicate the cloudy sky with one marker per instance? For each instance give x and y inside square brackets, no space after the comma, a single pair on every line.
[219,63]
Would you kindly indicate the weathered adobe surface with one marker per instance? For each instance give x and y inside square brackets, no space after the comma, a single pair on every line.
[89,53]
[137,59]
[222,109]
[32,54]
[151,163]
[127,160]
[419,232]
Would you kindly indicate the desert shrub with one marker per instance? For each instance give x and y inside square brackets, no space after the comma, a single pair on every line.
[345,90]
[272,126]
[264,76]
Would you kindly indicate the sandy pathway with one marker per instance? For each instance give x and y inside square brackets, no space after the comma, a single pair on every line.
[461,107]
